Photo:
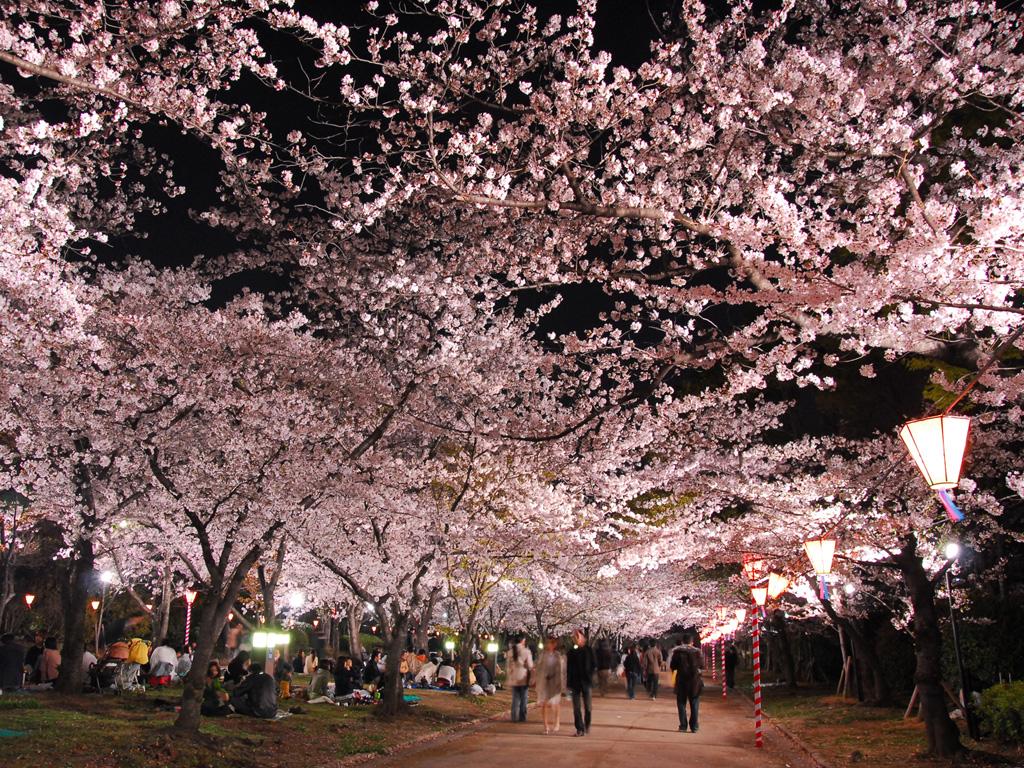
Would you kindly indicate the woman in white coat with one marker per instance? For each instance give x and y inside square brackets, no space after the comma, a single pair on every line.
[550,671]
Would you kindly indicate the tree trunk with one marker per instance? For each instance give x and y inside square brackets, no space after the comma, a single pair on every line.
[269,586]
[212,617]
[354,615]
[421,636]
[466,653]
[779,623]
[392,696]
[75,599]
[943,734]
[865,653]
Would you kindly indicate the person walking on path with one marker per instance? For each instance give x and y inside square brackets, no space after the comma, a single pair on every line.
[730,658]
[687,663]
[520,667]
[580,667]
[550,682]
[653,659]
[633,670]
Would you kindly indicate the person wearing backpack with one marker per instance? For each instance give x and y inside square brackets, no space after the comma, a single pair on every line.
[687,663]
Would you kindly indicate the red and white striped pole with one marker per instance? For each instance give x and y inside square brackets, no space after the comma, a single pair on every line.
[714,660]
[723,669]
[190,596]
[758,741]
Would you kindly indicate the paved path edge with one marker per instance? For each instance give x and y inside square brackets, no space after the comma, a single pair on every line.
[815,757]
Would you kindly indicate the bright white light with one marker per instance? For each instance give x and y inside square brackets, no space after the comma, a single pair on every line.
[952,551]
[849,589]
[296,600]
[106,577]
[449,644]
[492,647]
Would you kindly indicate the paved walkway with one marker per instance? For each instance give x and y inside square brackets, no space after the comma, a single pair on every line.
[623,734]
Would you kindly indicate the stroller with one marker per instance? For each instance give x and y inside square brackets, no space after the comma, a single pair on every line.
[116,671]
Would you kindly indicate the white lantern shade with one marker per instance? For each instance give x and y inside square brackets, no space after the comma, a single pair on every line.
[937,445]
[760,594]
[259,639]
[777,583]
[820,552]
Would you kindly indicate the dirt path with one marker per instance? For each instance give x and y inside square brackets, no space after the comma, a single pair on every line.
[624,734]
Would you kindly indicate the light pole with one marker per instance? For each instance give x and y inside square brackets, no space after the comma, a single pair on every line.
[952,553]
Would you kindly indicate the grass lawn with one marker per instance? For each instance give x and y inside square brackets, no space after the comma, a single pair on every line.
[845,732]
[100,731]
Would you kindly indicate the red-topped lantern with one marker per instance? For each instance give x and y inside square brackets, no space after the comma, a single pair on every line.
[753,566]
[190,597]
[29,599]
[820,552]
[937,445]
[760,595]
[95,605]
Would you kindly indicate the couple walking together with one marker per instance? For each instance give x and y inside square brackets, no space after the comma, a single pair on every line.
[555,672]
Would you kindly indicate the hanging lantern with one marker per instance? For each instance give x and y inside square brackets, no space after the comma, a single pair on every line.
[820,552]
[760,595]
[29,599]
[937,445]
[777,584]
[753,566]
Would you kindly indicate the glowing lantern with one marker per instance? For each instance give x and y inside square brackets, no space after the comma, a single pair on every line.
[753,566]
[190,597]
[777,584]
[937,445]
[820,552]
[29,600]
[760,595]
[721,611]
[741,614]
[316,623]
[95,605]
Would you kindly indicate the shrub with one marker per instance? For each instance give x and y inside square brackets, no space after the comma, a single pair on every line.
[1002,710]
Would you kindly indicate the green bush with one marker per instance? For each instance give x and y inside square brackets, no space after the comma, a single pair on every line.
[1002,710]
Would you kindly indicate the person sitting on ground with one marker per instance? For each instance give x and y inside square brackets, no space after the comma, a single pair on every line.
[344,678]
[184,665]
[162,661]
[425,677]
[12,663]
[446,676]
[415,662]
[283,675]
[483,674]
[215,698]
[310,663]
[318,684]
[237,670]
[88,659]
[32,657]
[256,696]
[372,670]
[49,662]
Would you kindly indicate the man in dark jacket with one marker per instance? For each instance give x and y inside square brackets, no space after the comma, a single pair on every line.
[580,666]
[12,663]
[687,663]
[256,696]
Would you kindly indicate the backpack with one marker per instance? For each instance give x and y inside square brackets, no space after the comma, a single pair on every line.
[138,650]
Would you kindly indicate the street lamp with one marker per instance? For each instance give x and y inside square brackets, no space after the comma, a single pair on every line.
[760,597]
[29,599]
[450,647]
[95,605]
[953,553]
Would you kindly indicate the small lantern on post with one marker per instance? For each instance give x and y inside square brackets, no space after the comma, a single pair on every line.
[95,605]
[760,597]
[29,599]
[820,552]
